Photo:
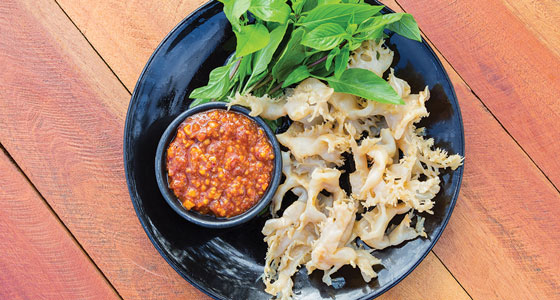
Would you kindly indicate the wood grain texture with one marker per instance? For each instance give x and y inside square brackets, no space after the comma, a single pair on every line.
[126,46]
[507,65]
[79,136]
[427,281]
[503,239]
[61,114]
[61,117]
[39,259]
[540,17]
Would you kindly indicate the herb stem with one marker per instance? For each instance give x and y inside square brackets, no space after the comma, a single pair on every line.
[260,83]
[276,88]
[235,68]
[322,59]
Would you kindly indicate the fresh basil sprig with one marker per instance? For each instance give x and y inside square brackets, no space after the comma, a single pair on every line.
[339,14]
[287,43]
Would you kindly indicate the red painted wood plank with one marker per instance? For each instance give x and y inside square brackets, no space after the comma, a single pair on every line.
[107,26]
[503,239]
[541,18]
[510,67]
[61,117]
[38,257]
[504,236]
[68,140]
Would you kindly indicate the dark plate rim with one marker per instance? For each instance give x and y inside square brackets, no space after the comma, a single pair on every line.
[127,131]
[157,245]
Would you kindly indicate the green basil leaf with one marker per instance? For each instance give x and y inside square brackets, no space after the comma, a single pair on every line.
[264,56]
[244,70]
[325,37]
[406,27]
[297,75]
[218,84]
[245,67]
[334,52]
[253,80]
[240,7]
[234,9]
[379,21]
[309,5]
[320,70]
[270,10]
[251,38]
[313,57]
[323,2]
[351,28]
[338,14]
[291,57]
[354,44]
[297,6]
[301,6]
[311,52]
[273,124]
[341,61]
[372,28]
[366,84]
[197,102]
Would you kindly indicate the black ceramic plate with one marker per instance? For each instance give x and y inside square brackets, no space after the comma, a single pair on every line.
[227,264]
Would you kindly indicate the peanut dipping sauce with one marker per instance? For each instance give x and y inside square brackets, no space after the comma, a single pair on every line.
[220,163]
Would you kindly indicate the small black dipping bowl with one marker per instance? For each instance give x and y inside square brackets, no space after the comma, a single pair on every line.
[210,221]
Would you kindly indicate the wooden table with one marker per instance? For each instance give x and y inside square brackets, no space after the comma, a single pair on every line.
[67,225]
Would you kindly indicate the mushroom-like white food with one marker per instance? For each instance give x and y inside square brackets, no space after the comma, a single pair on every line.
[320,229]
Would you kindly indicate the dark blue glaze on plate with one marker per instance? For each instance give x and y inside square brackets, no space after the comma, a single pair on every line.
[228,263]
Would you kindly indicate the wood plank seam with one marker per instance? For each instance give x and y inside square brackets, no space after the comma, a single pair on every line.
[85,37]
[458,282]
[55,215]
[92,47]
[425,36]
[74,59]
[509,134]
[129,92]
[506,54]
[435,254]
[112,71]
[511,236]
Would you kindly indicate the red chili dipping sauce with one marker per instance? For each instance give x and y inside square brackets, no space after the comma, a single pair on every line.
[219,163]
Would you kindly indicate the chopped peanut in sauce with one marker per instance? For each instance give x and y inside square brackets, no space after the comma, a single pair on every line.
[219,163]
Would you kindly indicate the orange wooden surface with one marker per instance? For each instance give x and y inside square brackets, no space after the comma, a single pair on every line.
[38,258]
[62,117]
[507,52]
[506,219]
[493,225]
[540,17]
[502,241]
[77,122]
[126,32]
